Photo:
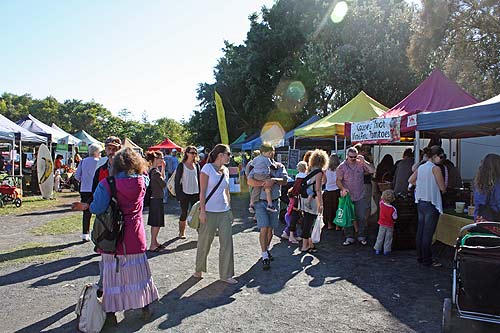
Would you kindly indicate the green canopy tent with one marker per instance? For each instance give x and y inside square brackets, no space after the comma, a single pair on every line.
[87,140]
[240,139]
[361,107]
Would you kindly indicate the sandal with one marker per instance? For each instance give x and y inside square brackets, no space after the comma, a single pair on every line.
[313,250]
[363,242]
[159,249]
[347,243]
[230,281]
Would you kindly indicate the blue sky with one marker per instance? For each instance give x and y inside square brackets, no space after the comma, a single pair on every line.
[140,55]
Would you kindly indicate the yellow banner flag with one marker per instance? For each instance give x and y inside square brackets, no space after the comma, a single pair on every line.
[221,118]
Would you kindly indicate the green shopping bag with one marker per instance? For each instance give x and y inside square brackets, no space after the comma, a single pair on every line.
[345,213]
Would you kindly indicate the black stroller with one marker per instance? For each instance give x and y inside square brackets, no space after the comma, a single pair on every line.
[476,276]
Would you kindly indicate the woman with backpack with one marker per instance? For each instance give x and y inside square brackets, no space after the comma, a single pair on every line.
[317,163]
[126,278]
[156,214]
[215,214]
[187,185]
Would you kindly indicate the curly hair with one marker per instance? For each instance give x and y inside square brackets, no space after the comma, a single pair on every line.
[319,159]
[488,173]
[388,196]
[129,161]
[151,155]
[307,156]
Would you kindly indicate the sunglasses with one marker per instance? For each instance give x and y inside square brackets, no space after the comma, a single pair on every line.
[193,152]
[352,157]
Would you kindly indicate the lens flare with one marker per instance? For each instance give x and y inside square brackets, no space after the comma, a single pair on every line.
[290,96]
[273,133]
[339,12]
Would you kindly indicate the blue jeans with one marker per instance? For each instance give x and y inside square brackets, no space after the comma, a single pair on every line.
[428,217]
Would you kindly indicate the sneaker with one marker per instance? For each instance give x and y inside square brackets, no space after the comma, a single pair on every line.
[284,235]
[269,255]
[266,264]
[271,209]
[251,210]
[363,242]
[377,252]
[347,243]
[85,237]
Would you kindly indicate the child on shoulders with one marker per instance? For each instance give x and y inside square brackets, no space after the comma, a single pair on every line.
[261,171]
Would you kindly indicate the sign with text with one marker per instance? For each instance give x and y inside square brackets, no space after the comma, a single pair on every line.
[380,130]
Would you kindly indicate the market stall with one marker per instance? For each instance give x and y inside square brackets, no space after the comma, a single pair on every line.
[166,144]
[480,119]
[434,94]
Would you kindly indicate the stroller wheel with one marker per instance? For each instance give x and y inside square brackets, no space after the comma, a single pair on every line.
[18,202]
[446,320]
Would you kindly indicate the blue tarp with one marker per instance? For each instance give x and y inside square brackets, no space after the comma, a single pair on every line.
[290,134]
[480,119]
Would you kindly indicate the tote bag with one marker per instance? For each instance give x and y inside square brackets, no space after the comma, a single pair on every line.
[345,213]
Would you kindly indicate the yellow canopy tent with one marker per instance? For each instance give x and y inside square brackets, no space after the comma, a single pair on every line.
[360,108]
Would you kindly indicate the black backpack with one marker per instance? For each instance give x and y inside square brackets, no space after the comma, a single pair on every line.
[109,226]
[304,185]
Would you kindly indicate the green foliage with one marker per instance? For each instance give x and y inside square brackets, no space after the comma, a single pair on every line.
[296,62]
[74,115]
[461,37]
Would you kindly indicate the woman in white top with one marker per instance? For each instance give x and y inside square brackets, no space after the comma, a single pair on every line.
[187,185]
[332,192]
[215,214]
[429,186]
[317,161]
[85,175]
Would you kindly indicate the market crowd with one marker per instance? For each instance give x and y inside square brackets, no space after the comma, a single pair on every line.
[322,184]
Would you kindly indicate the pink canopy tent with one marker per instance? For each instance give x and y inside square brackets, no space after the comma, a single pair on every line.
[436,93]
[166,144]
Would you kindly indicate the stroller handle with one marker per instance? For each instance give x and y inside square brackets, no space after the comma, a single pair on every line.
[479,224]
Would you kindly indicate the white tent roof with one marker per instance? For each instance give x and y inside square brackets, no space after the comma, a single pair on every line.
[7,125]
[36,126]
[67,138]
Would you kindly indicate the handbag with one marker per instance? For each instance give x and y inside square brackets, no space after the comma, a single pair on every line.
[193,218]
[316,233]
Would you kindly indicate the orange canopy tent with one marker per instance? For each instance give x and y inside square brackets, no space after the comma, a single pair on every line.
[166,144]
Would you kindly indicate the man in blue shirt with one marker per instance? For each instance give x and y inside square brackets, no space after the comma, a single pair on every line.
[171,163]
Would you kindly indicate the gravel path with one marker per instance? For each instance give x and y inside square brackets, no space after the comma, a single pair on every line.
[338,289]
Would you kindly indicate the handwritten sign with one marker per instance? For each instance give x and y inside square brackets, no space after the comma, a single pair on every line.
[382,130]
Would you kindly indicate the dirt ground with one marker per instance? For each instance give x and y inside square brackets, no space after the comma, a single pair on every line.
[338,289]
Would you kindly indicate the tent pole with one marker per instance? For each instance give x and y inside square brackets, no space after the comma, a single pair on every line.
[20,158]
[417,147]
[449,149]
[294,141]
[345,147]
[12,153]
[336,145]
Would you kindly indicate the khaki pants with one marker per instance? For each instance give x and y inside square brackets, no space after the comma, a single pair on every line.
[206,233]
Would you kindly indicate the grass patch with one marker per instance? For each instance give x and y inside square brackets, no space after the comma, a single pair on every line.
[65,225]
[37,203]
[32,252]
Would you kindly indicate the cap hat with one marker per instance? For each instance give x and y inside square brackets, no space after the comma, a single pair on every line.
[113,141]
